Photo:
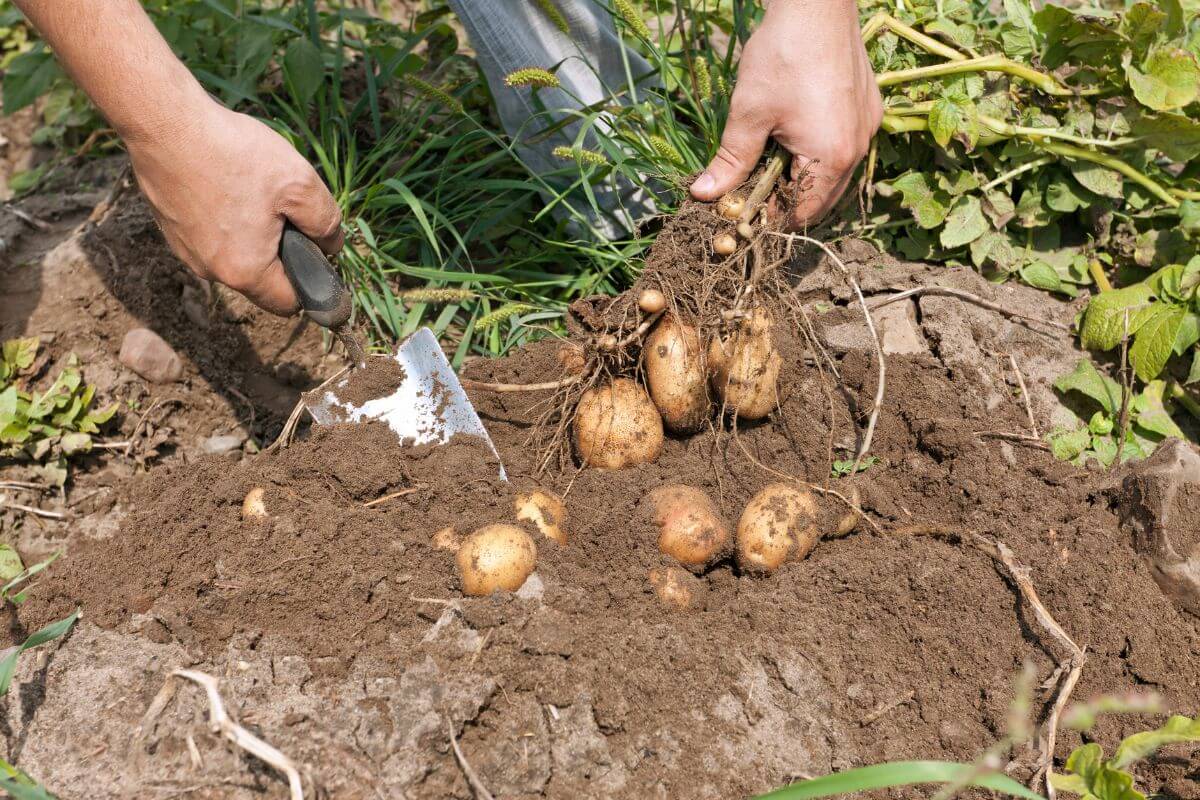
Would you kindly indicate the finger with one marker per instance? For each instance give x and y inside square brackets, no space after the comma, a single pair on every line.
[741,146]
[821,185]
[314,212]
[272,291]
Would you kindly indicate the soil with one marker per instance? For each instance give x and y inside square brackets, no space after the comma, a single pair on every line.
[341,636]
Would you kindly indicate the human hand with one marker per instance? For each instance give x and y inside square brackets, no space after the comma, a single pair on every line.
[804,78]
[221,185]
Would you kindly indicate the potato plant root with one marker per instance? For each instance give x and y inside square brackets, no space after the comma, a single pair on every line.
[757,679]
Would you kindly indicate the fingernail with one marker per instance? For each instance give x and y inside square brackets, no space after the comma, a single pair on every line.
[704,184]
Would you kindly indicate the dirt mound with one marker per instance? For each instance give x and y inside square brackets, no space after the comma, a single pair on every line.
[877,646]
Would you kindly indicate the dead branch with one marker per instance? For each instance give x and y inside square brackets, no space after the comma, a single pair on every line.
[222,723]
[37,512]
[289,428]
[477,786]
[392,496]
[1025,396]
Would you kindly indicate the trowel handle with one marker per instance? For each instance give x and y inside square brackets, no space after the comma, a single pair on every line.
[320,289]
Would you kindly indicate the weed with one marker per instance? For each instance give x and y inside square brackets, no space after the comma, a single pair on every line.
[848,466]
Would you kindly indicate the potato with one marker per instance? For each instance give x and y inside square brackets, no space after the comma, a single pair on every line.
[545,510]
[779,522]
[744,368]
[446,539]
[616,425]
[254,506]
[496,558]
[652,301]
[848,521]
[724,244]
[675,375]
[675,587]
[730,206]
[690,528]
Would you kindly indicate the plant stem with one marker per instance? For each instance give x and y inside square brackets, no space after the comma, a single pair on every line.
[928,43]
[1184,399]
[1097,271]
[766,182]
[1186,194]
[993,63]
[894,124]
[1113,163]
[1021,170]
[1036,134]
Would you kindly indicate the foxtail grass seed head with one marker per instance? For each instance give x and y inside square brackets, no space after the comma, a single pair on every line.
[501,314]
[665,149]
[551,11]
[722,86]
[433,93]
[633,18]
[436,295]
[704,85]
[534,77]
[580,156]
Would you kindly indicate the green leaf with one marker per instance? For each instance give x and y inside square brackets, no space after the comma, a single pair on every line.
[1176,135]
[1152,412]
[1041,275]
[929,205]
[1194,372]
[8,664]
[1189,217]
[19,354]
[27,78]
[303,69]
[1104,324]
[1069,445]
[10,563]
[1068,783]
[898,773]
[1169,79]
[965,223]
[953,117]
[1155,340]
[1097,179]
[1141,24]
[1140,745]
[1088,381]
[1063,196]
[1100,424]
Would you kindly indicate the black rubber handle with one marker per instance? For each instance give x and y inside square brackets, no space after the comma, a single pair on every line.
[320,289]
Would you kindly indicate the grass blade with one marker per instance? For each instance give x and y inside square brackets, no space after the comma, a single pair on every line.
[47,634]
[898,773]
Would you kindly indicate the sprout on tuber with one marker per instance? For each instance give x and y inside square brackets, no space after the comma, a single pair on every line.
[724,244]
[675,375]
[616,425]
[744,367]
[496,558]
[778,523]
[545,510]
[690,528]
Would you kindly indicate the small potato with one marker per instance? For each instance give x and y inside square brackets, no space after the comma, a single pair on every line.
[652,301]
[254,506]
[730,206]
[571,357]
[744,368]
[675,587]
[617,425]
[496,558]
[545,510]
[724,244]
[779,522]
[675,375]
[690,528]
[849,520]
[446,539]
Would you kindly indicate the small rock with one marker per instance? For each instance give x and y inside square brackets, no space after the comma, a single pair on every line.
[194,307]
[532,588]
[147,354]
[223,443]
[897,326]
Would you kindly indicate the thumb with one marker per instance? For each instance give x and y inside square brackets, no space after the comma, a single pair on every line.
[315,213]
[741,146]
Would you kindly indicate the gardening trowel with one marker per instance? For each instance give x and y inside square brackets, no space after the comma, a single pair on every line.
[429,407]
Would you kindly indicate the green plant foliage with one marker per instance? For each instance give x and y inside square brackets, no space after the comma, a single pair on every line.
[48,426]
[846,466]
[1092,777]
[900,773]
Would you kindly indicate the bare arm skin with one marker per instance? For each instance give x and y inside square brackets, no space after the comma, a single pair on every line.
[221,183]
[804,79]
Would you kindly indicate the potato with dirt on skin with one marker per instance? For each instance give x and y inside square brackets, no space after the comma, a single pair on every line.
[744,368]
[690,528]
[778,523]
[676,588]
[254,506]
[495,558]
[545,510]
[446,539]
[674,361]
[617,425]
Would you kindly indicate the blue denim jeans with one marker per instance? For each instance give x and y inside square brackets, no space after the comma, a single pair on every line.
[592,63]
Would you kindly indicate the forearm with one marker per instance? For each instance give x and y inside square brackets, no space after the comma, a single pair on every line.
[112,51]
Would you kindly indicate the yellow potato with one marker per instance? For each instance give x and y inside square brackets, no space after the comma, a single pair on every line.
[730,206]
[545,510]
[254,506]
[779,522]
[674,587]
[617,425]
[690,528]
[496,558]
[675,375]
[652,301]
[724,244]
[744,368]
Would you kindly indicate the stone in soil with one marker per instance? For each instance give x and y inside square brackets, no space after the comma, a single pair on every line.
[149,355]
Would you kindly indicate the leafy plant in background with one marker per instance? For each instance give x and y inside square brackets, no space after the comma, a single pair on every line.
[48,426]
[1092,777]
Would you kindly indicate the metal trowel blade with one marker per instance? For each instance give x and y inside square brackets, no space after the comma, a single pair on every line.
[429,407]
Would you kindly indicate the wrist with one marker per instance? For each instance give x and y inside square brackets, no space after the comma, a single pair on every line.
[168,113]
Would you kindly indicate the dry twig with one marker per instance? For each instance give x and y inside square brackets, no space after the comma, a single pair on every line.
[37,512]
[222,723]
[477,786]
[549,386]
[959,294]
[392,496]
[1025,396]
